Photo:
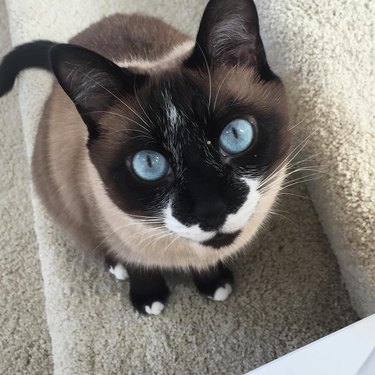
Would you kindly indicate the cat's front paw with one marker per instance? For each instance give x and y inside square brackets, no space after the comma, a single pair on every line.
[215,283]
[150,304]
[217,291]
[148,290]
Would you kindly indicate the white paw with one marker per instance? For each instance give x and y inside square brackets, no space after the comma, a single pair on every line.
[119,271]
[222,293]
[155,309]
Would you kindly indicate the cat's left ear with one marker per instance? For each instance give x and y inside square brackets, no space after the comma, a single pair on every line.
[92,82]
[229,35]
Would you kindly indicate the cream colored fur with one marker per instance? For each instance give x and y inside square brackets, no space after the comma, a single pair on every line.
[165,62]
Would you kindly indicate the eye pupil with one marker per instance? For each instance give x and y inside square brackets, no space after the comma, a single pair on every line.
[235,133]
[149,161]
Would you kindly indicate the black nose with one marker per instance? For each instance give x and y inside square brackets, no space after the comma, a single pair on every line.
[211,214]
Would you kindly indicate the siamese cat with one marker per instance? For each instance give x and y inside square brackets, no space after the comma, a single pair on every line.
[158,152]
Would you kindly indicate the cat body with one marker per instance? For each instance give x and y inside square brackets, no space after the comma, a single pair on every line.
[139,84]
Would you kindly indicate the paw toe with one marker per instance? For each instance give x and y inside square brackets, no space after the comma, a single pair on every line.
[222,293]
[155,309]
[118,271]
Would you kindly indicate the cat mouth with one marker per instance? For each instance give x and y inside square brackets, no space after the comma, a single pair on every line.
[221,240]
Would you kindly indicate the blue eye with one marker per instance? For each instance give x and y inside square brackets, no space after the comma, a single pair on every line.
[150,165]
[236,136]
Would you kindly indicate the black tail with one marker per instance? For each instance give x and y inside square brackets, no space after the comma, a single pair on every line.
[29,55]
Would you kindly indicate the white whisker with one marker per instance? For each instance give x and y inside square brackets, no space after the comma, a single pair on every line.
[165,250]
[294,195]
[139,103]
[118,115]
[209,77]
[302,180]
[272,212]
[159,238]
[121,101]
[292,155]
[218,91]
[297,124]
[153,235]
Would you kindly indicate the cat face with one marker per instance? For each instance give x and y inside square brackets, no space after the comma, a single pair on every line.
[190,145]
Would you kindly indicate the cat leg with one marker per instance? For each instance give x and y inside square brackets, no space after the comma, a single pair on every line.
[117,269]
[215,283]
[148,290]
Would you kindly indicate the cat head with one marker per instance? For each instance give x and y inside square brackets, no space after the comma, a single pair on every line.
[191,143]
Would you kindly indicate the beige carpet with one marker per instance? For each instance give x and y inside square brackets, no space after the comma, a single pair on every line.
[24,340]
[288,290]
[325,52]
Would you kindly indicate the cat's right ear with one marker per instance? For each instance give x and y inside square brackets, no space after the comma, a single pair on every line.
[92,82]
